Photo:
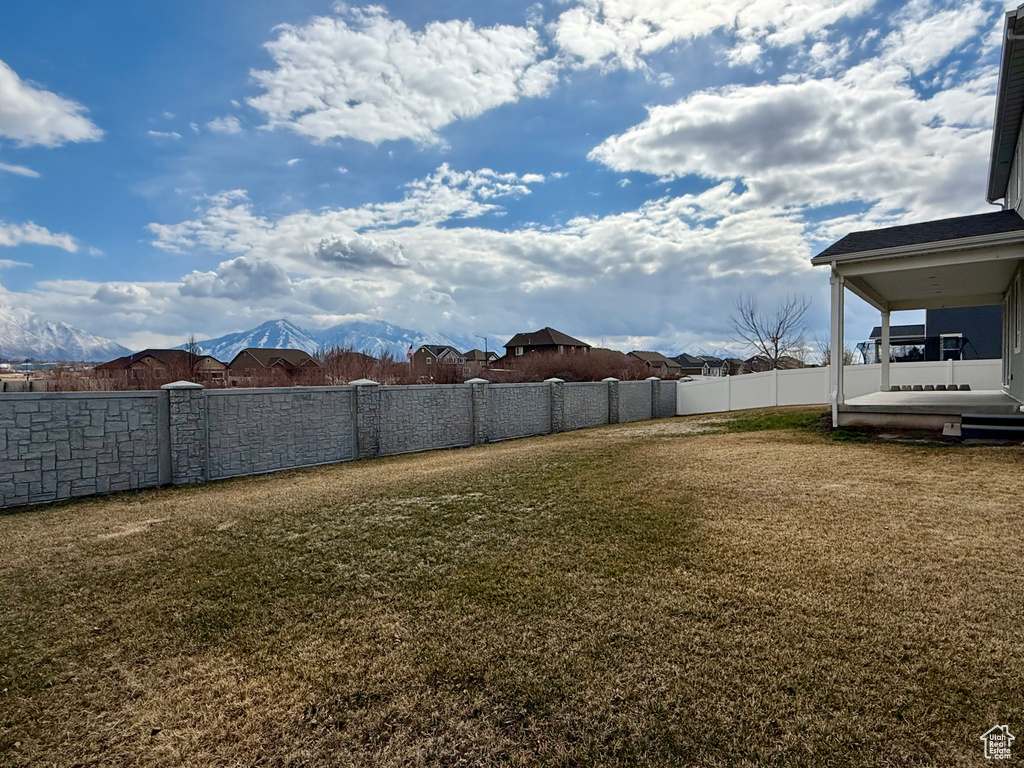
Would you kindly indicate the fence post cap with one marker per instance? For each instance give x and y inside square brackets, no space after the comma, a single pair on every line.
[654,378]
[182,385]
[554,380]
[477,381]
[364,383]
[610,378]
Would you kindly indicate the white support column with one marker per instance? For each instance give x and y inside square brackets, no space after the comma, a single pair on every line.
[836,357]
[885,350]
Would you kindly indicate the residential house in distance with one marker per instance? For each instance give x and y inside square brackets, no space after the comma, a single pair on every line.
[689,365]
[966,261]
[714,366]
[161,364]
[254,361]
[760,364]
[426,359]
[953,333]
[477,361]
[545,340]
[659,364]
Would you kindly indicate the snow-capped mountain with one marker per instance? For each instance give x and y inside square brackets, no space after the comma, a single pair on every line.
[23,334]
[371,336]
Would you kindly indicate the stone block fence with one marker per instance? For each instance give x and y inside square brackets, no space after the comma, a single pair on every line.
[59,445]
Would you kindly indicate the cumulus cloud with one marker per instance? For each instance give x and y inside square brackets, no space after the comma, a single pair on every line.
[241,278]
[19,170]
[614,34]
[228,126]
[31,115]
[359,253]
[866,136]
[365,76]
[33,234]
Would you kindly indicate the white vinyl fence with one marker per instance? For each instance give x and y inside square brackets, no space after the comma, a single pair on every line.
[810,386]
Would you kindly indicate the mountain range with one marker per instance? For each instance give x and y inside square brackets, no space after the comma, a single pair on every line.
[373,337]
[26,335]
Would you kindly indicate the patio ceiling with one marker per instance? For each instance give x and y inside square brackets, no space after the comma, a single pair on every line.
[931,277]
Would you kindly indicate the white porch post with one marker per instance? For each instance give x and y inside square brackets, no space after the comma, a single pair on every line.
[836,356]
[885,350]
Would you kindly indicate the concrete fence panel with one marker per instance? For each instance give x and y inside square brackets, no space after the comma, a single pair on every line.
[585,404]
[264,430]
[518,410]
[635,401]
[60,445]
[425,417]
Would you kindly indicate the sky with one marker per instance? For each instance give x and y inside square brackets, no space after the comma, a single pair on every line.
[622,170]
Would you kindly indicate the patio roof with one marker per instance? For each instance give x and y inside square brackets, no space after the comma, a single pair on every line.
[961,262]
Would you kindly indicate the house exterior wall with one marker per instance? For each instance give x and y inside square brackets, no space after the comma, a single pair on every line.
[1013,336]
[980,326]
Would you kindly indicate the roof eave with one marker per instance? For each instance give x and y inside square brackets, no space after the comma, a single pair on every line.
[923,249]
[1005,123]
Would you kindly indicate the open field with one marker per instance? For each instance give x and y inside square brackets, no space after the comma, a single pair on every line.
[650,594]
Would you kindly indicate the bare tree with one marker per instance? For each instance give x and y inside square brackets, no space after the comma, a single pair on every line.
[773,334]
[194,353]
[825,352]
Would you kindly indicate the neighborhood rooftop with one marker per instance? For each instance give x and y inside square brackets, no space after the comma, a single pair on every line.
[957,228]
[544,337]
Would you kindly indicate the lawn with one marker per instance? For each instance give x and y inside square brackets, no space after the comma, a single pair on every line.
[737,593]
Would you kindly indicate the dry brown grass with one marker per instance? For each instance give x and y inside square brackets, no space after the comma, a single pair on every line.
[606,597]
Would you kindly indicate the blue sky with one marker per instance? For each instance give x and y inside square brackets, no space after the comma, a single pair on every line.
[622,170]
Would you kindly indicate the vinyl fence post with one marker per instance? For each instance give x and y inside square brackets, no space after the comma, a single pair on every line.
[187,432]
[367,418]
[479,406]
[556,398]
[775,386]
[613,399]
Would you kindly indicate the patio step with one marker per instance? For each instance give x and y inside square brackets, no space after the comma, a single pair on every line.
[992,425]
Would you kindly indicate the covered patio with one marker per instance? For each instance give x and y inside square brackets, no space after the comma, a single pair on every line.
[962,262]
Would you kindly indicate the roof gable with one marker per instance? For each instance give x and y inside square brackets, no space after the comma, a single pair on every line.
[545,337]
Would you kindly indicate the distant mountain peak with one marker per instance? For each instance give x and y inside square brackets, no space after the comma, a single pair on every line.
[374,337]
[24,334]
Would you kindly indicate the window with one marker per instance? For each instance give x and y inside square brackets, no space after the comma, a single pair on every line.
[951,346]
[561,349]
[519,350]
[430,360]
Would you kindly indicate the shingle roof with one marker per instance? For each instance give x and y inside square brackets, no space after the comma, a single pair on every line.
[654,357]
[997,222]
[688,361]
[899,332]
[168,357]
[440,349]
[269,357]
[545,337]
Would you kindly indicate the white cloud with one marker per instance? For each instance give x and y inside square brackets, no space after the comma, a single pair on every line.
[19,170]
[294,161]
[342,169]
[30,115]
[8,263]
[622,33]
[226,125]
[33,234]
[367,77]
[866,136]
[173,135]
[925,36]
